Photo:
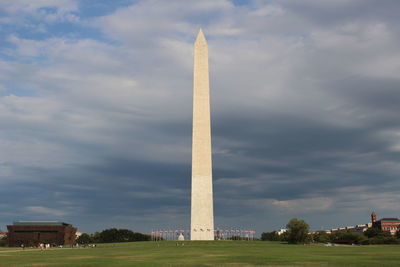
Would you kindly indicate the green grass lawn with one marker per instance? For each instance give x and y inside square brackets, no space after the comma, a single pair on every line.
[218,253]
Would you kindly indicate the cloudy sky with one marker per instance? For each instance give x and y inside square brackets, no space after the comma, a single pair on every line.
[96,98]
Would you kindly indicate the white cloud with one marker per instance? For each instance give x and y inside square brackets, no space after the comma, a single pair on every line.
[44,210]
[331,4]
[18,10]
[303,205]
[268,10]
[368,199]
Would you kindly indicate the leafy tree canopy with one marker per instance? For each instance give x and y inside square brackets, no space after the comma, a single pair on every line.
[84,239]
[297,231]
[371,232]
[270,236]
[112,235]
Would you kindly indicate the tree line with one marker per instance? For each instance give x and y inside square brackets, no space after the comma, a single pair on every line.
[3,241]
[298,232]
[112,235]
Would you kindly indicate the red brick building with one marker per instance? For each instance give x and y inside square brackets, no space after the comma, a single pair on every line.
[33,233]
[391,225]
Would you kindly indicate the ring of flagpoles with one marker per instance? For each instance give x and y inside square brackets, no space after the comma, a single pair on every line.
[220,234]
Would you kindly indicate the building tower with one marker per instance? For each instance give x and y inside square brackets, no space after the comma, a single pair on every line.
[202,215]
[373,217]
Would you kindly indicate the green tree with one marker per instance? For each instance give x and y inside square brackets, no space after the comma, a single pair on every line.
[140,237]
[372,232]
[284,236]
[297,231]
[270,236]
[96,237]
[110,235]
[120,235]
[84,239]
[322,237]
[3,241]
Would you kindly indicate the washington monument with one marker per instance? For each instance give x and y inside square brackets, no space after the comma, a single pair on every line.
[202,215]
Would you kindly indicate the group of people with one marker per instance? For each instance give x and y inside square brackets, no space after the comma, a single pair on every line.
[40,245]
[43,246]
[85,246]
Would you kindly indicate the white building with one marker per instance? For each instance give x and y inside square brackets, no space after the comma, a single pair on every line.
[281,231]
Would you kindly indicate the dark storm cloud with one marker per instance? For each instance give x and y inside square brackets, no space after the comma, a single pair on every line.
[116,187]
[291,147]
[380,95]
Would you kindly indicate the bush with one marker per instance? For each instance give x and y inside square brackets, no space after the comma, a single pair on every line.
[235,237]
[377,240]
[366,241]
[391,240]
[348,237]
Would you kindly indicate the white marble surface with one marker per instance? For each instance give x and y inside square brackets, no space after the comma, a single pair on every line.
[202,216]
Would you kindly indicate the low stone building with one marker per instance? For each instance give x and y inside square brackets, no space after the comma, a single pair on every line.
[33,233]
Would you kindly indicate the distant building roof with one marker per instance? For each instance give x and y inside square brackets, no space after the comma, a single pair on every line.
[40,223]
[390,219]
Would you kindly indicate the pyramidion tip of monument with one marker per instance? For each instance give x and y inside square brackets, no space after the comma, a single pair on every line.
[200,36]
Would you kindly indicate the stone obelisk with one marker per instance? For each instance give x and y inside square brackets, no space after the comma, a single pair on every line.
[202,217]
